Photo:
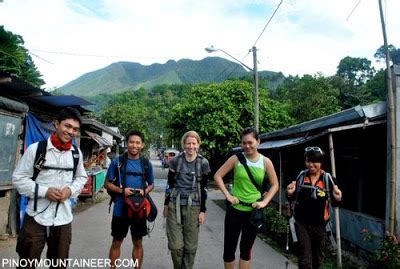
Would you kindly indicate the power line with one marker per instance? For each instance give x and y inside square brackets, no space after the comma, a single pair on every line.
[265,27]
[354,8]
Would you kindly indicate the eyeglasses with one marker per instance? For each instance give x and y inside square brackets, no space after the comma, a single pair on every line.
[316,149]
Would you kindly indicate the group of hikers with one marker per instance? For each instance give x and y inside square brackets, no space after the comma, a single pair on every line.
[50,177]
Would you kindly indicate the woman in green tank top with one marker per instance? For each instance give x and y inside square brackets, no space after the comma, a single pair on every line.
[244,197]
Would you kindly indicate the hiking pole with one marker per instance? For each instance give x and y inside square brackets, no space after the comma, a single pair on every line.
[287,246]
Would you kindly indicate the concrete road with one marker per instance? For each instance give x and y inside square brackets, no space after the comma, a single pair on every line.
[92,239]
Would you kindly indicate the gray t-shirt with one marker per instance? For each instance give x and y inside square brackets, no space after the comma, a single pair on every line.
[185,177]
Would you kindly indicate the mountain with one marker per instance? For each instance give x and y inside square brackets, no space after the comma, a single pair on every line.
[122,76]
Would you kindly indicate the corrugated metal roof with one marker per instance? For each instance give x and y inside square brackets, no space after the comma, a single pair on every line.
[101,127]
[353,115]
[62,100]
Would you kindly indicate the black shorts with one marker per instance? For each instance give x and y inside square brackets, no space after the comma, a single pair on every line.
[120,226]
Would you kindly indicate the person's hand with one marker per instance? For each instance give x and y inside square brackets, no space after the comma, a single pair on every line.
[232,199]
[260,204]
[129,191]
[202,218]
[139,191]
[65,194]
[337,193]
[165,211]
[53,194]
[291,188]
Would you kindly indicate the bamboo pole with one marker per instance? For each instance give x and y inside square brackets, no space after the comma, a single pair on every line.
[336,209]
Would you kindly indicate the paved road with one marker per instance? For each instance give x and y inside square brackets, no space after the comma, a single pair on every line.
[91,239]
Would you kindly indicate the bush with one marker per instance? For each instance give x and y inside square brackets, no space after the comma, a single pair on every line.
[277,225]
[388,255]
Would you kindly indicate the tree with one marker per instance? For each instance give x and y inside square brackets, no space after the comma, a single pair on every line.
[15,58]
[309,97]
[356,71]
[351,78]
[218,112]
[143,109]
[394,54]
[377,86]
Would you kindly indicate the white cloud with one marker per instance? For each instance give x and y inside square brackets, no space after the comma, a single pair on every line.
[305,36]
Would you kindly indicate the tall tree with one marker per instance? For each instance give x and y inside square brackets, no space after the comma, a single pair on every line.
[218,112]
[394,54]
[15,58]
[356,71]
[309,97]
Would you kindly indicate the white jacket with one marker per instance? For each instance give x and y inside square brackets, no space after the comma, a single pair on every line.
[46,210]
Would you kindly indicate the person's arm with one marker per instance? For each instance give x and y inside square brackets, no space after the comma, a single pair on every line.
[149,179]
[336,193]
[111,176]
[170,186]
[273,180]
[218,178]
[203,192]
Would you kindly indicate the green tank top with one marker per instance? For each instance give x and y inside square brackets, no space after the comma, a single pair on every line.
[243,188]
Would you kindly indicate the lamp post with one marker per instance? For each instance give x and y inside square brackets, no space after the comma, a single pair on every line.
[255,78]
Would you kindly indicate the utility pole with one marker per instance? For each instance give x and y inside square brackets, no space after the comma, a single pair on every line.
[256,101]
[392,127]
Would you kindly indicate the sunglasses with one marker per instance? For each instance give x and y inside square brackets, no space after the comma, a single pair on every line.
[315,149]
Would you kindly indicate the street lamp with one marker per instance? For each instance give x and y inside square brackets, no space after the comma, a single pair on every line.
[255,77]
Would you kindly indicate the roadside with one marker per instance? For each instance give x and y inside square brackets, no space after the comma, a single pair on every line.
[82,205]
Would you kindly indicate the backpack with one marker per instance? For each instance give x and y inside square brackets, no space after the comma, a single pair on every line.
[38,165]
[135,204]
[198,176]
[299,184]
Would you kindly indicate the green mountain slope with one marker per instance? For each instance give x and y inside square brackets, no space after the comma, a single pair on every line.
[122,76]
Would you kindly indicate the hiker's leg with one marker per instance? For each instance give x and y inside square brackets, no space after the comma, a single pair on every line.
[244,264]
[175,237]
[318,239]
[119,230]
[247,239]
[115,251]
[58,243]
[138,230]
[233,227]
[190,235]
[304,246]
[31,240]
[137,252]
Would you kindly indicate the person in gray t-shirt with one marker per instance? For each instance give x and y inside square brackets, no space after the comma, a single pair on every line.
[185,201]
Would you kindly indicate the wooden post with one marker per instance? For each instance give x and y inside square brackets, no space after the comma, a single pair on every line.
[336,209]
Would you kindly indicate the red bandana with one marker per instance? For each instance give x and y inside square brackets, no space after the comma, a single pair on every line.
[58,144]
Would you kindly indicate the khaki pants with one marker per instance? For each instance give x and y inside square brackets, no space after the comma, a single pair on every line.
[183,238]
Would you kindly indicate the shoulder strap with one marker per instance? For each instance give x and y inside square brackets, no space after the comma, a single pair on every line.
[145,166]
[75,156]
[242,160]
[299,181]
[123,160]
[40,158]
[199,163]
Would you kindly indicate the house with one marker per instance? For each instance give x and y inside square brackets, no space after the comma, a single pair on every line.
[355,142]
[26,116]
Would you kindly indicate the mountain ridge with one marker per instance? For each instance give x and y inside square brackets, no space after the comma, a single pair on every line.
[122,76]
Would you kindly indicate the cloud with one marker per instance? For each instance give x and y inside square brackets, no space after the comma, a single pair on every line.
[305,36]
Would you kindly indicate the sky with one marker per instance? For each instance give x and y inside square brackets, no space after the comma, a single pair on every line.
[68,38]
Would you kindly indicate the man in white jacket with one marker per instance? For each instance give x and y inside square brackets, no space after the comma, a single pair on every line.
[49,215]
